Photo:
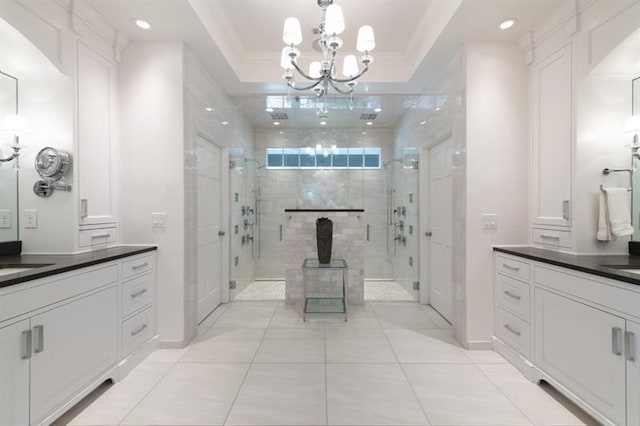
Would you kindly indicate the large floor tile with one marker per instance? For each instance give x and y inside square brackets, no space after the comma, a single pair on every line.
[281,394]
[485,357]
[402,315]
[459,394]
[425,345]
[290,316]
[371,394]
[536,404]
[246,316]
[358,345]
[225,345]
[118,400]
[214,316]
[358,316]
[191,394]
[167,355]
[292,345]
[435,317]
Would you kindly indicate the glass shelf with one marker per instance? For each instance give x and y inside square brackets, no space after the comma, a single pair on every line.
[317,305]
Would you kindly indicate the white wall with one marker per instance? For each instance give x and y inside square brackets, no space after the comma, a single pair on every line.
[151,95]
[497,170]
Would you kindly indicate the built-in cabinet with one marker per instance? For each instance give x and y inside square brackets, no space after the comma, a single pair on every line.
[62,336]
[95,157]
[552,148]
[582,336]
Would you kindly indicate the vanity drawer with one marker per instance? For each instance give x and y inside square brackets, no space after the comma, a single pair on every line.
[92,237]
[552,237]
[514,332]
[513,295]
[136,331]
[513,268]
[136,293]
[137,266]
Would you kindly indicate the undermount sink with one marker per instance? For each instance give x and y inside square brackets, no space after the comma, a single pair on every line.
[12,268]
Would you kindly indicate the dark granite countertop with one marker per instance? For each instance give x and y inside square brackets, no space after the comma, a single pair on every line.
[609,266]
[59,263]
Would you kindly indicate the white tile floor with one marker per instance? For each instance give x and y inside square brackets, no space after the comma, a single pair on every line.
[390,364]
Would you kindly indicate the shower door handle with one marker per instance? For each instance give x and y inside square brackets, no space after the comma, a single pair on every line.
[368,232]
[280,232]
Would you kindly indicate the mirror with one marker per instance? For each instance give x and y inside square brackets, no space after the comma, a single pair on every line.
[8,175]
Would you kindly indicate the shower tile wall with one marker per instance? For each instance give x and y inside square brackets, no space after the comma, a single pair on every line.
[358,189]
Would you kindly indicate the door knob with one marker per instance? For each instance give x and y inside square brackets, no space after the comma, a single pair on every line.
[428,234]
[221,233]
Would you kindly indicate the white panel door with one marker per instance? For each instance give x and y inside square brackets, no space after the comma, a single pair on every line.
[439,230]
[14,374]
[73,344]
[552,139]
[209,228]
[96,138]
[633,373]
[582,348]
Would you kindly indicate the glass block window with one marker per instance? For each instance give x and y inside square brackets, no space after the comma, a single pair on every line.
[325,158]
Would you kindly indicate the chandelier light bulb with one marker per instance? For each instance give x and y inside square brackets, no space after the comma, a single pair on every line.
[350,66]
[314,69]
[291,33]
[285,59]
[334,20]
[366,40]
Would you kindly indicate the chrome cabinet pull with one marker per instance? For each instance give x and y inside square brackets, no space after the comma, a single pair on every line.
[96,236]
[551,237]
[616,341]
[142,265]
[630,346]
[39,338]
[138,293]
[84,208]
[566,209]
[513,268]
[515,296]
[26,344]
[514,331]
[139,330]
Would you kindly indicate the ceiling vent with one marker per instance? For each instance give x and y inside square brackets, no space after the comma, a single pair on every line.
[279,116]
[368,117]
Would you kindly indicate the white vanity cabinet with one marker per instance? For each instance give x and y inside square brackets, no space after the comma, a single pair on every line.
[61,336]
[96,154]
[584,334]
[552,149]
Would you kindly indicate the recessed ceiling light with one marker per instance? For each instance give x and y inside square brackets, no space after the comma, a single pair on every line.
[276,123]
[323,123]
[224,123]
[378,109]
[422,123]
[141,23]
[507,23]
[281,132]
[369,123]
[209,109]
[268,109]
[364,133]
[438,109]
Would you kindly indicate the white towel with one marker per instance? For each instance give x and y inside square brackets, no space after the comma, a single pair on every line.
[604,228]
[617,213]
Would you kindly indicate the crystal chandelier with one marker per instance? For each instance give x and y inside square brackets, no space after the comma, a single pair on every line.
[322,73]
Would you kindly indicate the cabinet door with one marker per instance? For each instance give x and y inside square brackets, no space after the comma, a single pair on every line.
[552,139]
[14,373]
[73,345]
[633,372]
[95,164]
[582,348]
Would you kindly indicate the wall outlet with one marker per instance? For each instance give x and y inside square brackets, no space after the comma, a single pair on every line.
[490,221]
[30,218]
[5,218]
[159,220]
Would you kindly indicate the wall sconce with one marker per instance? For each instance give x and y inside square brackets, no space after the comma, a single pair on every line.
[17,125]
[632,125]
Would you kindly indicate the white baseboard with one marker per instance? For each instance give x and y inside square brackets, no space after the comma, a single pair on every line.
[479,345]
[171,344]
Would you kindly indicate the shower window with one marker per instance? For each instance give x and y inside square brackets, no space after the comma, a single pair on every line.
[310,158]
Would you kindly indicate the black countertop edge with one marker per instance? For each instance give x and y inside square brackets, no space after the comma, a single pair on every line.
[59,263]
[324,210]
[608,266]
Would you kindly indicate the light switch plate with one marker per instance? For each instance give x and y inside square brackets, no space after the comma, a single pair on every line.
[490,221]
[159,220]
[30,219]
[5,218]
